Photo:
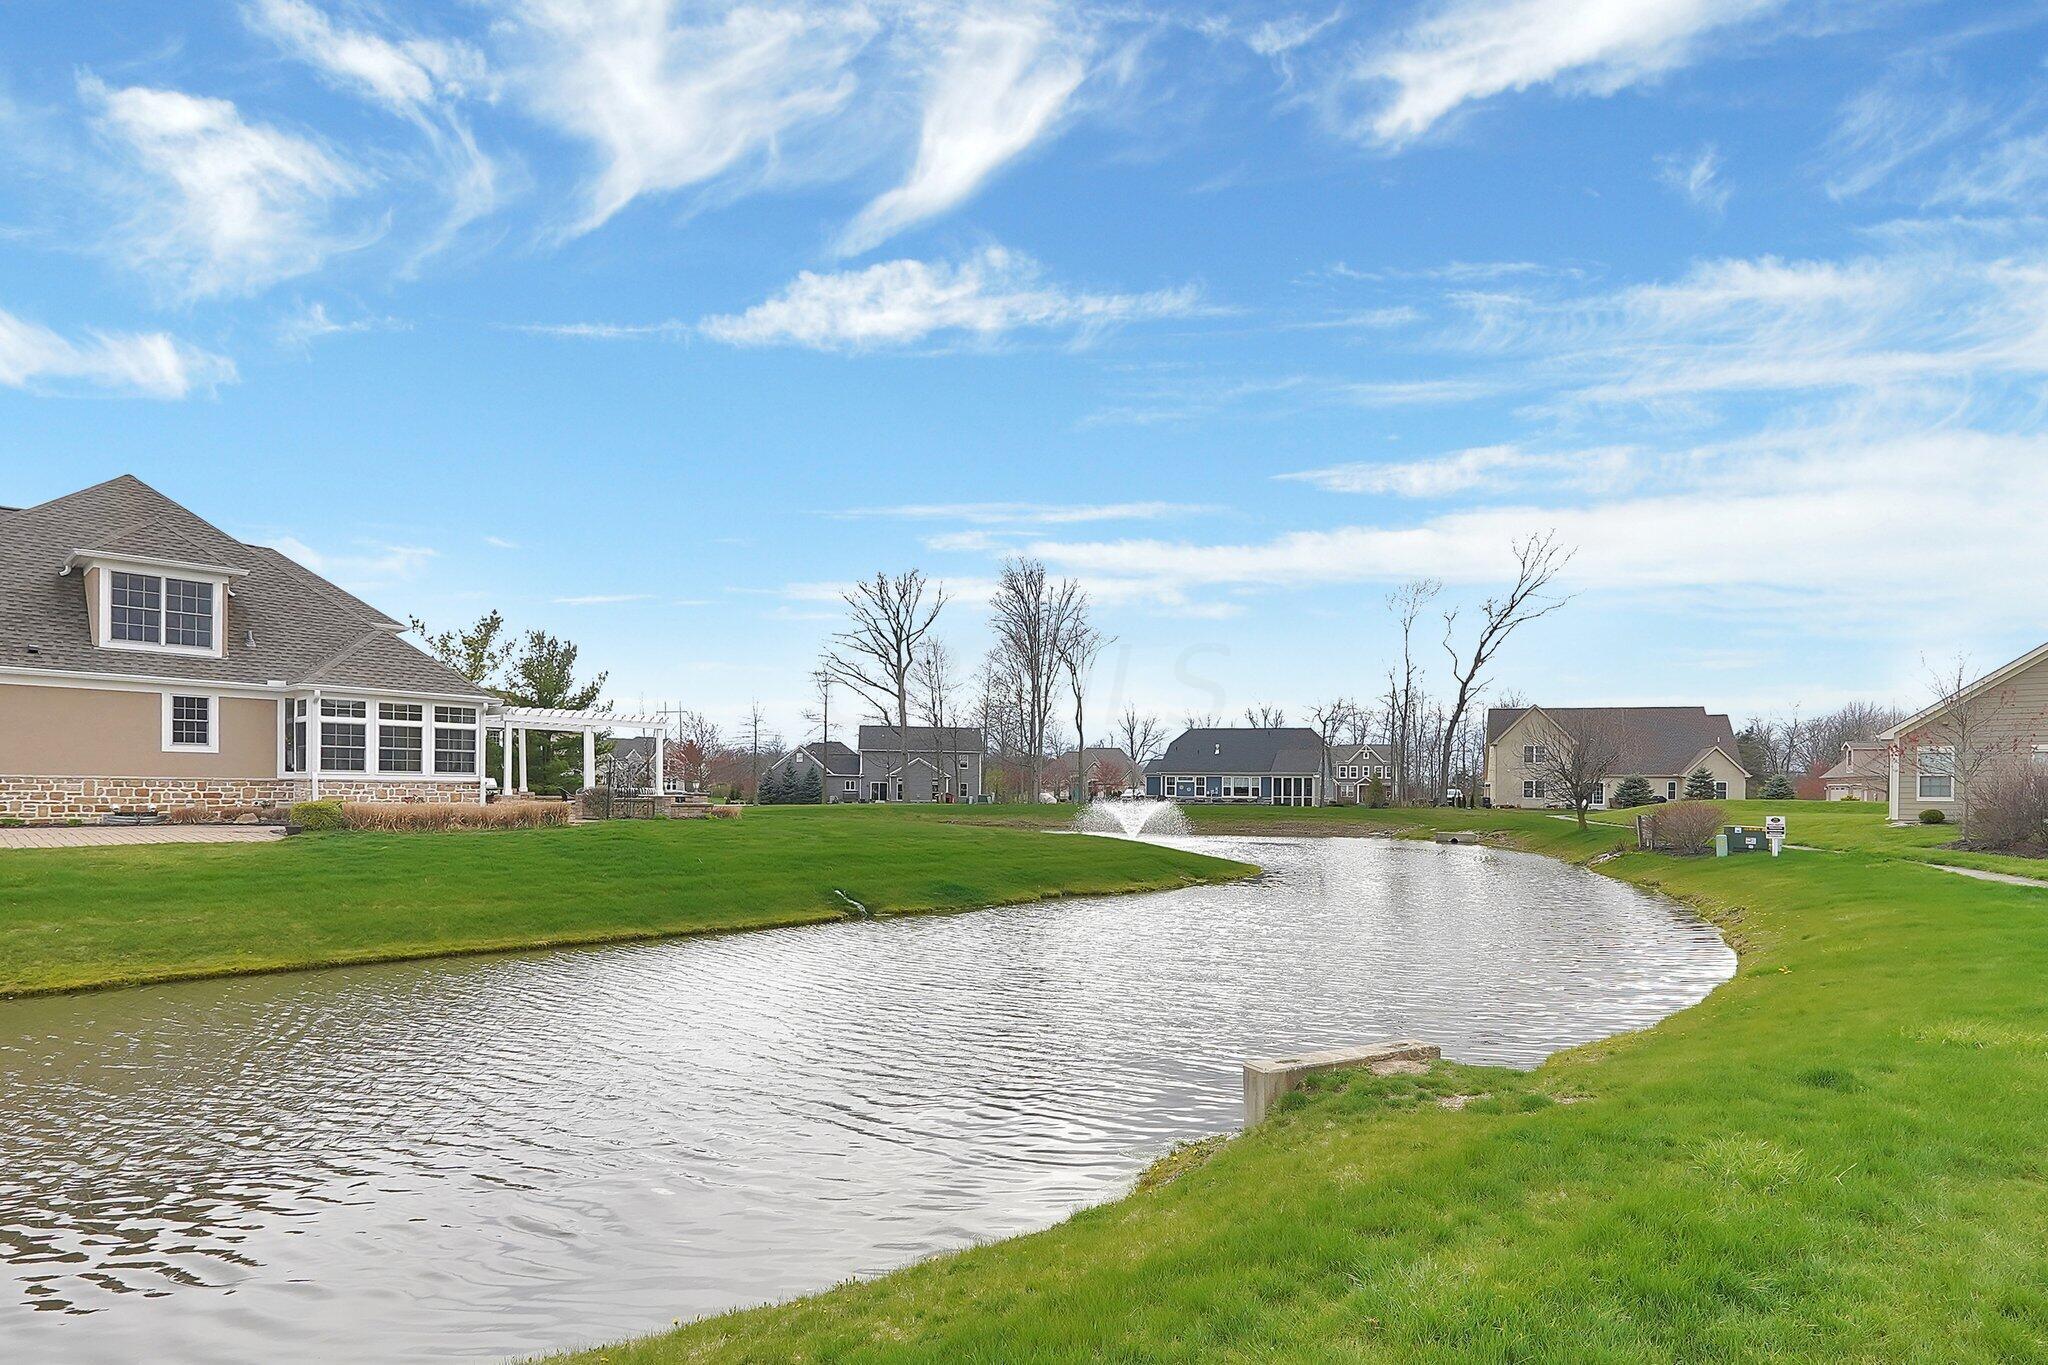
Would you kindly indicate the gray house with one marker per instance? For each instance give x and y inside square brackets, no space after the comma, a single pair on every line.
[945,763]
[1284,766]
[837,766]
[1354,768]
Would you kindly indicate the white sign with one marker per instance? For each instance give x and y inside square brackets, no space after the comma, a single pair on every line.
[1774,824]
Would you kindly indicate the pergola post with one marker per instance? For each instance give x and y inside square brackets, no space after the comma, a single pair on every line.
[507,737]
[589,759]
[660,743]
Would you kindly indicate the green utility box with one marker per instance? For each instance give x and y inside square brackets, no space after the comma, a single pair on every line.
[1742,840]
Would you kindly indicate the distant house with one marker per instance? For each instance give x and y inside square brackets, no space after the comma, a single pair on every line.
[1663,744]
[837,767]
[1106,769]
[1863,773]
[2002,718]
[1281,766]
[945,763]
[1354,768]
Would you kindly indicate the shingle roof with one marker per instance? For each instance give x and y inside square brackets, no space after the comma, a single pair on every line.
[1361,753]
[838,760]
[1243,751]
[923,739]
[1655,741]
[1861,759]
[282,621]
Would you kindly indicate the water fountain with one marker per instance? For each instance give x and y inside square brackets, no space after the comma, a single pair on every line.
[1133,818]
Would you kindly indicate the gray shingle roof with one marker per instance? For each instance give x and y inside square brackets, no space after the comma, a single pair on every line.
[1658,741]
[838,760]
[964,739]
[282,621]
[1244,752]
[1871,759]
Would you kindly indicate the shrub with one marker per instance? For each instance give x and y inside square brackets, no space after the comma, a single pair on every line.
[1777,788]
[1933,816]
[1686,826]
[317,814]
[446,815]
[2009,808]
[189,815]
[1633,791]
[1376,794]
[1699,786]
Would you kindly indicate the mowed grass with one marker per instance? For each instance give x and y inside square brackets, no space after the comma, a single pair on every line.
[1841,1155]
[97,917]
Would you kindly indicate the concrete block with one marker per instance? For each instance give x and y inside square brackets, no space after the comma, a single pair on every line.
[1267,1079]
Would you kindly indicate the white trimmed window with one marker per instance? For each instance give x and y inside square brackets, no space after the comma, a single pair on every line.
[1720,791]
[1535,753]
[159,611]
[191,723]
[1936,772]
[1599,795]
[455,739]
[1534,791]
[852,785]
[295,737]
[344,736]
[401,737]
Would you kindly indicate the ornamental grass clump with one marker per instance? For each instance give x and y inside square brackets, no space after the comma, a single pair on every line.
[452,815]
[1686,827]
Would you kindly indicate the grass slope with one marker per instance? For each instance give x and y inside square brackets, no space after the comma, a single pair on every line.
[1841,1155]
[95,917]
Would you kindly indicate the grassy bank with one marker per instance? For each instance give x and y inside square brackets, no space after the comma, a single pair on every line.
[1837,1156]
[94,917]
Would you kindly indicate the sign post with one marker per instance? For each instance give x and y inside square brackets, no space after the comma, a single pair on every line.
[1774,830]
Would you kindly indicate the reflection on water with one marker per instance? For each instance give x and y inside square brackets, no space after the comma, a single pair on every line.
[482,1157]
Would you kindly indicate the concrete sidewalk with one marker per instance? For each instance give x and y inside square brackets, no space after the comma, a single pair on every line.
[115,836]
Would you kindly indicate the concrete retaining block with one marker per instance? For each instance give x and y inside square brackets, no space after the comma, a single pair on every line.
[1266,1080]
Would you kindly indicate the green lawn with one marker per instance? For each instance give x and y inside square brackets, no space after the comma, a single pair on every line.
[1842,1154]
[96,917]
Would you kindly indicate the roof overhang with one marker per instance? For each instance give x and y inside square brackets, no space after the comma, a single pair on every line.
[87,558]
[1992,679]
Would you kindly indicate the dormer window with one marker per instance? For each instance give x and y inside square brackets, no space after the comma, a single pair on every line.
[138,608]
[168,607]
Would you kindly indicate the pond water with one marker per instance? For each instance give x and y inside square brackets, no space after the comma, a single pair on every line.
[483,1157]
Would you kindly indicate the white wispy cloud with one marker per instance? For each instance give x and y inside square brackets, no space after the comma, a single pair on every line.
[670,96]
[500,543]
[311,322]
[372,564]
[149,364]
[1490,469]
[420,79]
[601,599]
[1883,129]
[604,331]
[1465,51]
[998,81]
[1697,176]
[216,204]
[989,294]
[1030,513]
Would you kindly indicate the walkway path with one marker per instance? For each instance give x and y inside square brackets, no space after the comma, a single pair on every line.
[100,836]
[1985,876]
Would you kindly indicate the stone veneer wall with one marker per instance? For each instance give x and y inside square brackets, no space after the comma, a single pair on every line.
[91,798]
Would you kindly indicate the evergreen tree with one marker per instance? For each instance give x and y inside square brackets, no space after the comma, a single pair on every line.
[812,793]
[1376,793]
[775,786]
[1700,786]
[543,674]
[1633,791]
[1778,788]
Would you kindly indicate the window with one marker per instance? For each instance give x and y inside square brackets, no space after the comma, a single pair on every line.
[344,736]
[1533,790]
[400,737]
[455,739]
[188,613]
[1720,791]
[1599,795]
[295,737]
[963,763]
[1937,772]
[1670,791]
[852,785]
[1535,753]
[137,603]
[189,723]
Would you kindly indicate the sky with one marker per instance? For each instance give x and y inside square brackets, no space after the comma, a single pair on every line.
[656,323]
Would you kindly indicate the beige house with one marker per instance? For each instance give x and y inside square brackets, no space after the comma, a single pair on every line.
[2000,719]
[1863,773]
[149,660]
[1663,744]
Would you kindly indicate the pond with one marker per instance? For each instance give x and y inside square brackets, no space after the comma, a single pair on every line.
[482,1157]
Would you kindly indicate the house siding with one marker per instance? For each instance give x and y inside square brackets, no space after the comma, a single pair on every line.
[71,731]
[1506,772]
[2013,719]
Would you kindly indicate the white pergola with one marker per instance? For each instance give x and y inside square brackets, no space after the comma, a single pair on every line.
[515,721]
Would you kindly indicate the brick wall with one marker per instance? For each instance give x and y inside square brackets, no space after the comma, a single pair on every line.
[38,799]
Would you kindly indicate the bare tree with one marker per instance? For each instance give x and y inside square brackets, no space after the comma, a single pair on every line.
[697,744]
[938,689]
[819,712]
[1202,720]
[1963,736]
[1538,561]
[1264,717]
[1404,685]
[1080,643]
[1856,720]
[759,735]
[1329,719]
[1031,616]
[890,619]
[1141,737]
[1580,751]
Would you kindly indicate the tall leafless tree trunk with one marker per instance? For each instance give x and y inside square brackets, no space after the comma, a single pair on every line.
[1964,718]
[1080,643]
[1538,560]
[936,689]
[1142,736]
[890,619]
[1330,718]
[1581,752]
[1031,616]
[1406,603]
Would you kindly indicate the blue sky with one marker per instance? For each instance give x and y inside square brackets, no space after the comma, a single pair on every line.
[654,323]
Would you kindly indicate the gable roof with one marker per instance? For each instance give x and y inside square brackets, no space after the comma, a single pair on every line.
[1243,751]
[1361,753]
[1994,678]
[282,621]
[835,758]
[1655,741]
[882,739]
[1862,760]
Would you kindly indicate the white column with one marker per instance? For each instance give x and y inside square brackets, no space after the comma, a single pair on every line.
[589,758]
[505,732]
[660,743]
[313,742]
[523,776]
[483,774]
